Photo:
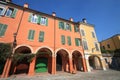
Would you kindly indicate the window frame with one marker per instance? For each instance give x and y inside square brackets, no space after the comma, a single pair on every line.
[82,32]
[85,44]
[3,11]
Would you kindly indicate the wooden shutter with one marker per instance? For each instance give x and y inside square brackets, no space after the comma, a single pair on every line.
[3,30]
[63,39]
[70,28]
[14,13]
[69,40]
[39,19]
[46,21]
[30,16]
[31,34]
[41,36]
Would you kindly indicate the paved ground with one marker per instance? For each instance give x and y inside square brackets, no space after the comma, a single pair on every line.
[94,75]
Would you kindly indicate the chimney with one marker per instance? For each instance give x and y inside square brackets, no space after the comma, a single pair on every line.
[53,14]
[84,20]
[71,19]
[26,5]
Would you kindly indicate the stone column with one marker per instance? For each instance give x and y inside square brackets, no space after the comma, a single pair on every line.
[103,63]
[53,64]
[84,64]
[32,67]
[70,64]
[87,63]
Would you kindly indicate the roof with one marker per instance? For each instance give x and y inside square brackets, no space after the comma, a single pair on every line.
[111,37]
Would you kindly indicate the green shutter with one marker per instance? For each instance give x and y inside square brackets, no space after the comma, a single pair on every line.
[41,36]
[31,34]
[69,40]
[14,13]
[59,25]
[70,28]
[30,16]
[75,28]
[46,21]
[39,19]
[63,39]
[77,41]
[3,29]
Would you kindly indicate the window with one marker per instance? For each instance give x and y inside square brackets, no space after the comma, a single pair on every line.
[38,19]
[93,34]
[41,36]
[82,32]
[69,40]
[68,26]
[96,46]
[85,46]
[76,28]
[11,12]
[61,25]
[77,42]
[104,47]
[31,34]
[43,21]
[108,45]
[3,28]
[63,39]
[2,11]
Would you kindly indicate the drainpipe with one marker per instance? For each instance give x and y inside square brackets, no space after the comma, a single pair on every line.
[54,15]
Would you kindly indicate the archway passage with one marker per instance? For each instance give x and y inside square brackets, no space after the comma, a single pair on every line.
[95,63]
[62,61]
[21,66]
[77,61]
[43,61]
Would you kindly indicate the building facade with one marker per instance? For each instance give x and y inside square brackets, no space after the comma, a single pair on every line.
[91,47]
[111,43]
[56,41]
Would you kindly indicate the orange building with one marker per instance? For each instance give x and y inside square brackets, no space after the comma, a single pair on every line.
[54,39]
[38,32]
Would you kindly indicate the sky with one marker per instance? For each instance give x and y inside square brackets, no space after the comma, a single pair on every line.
[104,14]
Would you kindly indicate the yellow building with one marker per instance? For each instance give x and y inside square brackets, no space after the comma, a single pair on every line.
[111,43]
[94,59]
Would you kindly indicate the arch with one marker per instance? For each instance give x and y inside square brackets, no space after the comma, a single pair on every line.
[78,64]
[62,49]
[45,47]
[21,66]
[62,59]
[95,62]
[43,61]
[77,51]
[22,46]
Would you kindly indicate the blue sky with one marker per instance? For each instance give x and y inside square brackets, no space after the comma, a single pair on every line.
[104,14]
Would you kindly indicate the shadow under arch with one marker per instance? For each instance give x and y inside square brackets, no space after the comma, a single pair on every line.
[95,62]
[77,59]
[62,60]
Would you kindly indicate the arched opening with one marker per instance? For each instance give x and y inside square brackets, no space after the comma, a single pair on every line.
[20,66]
[62,61]
[43,61]
[59,63]
[77,61]
[95,63]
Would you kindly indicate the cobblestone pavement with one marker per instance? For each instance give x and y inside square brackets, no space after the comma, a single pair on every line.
[94,75]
